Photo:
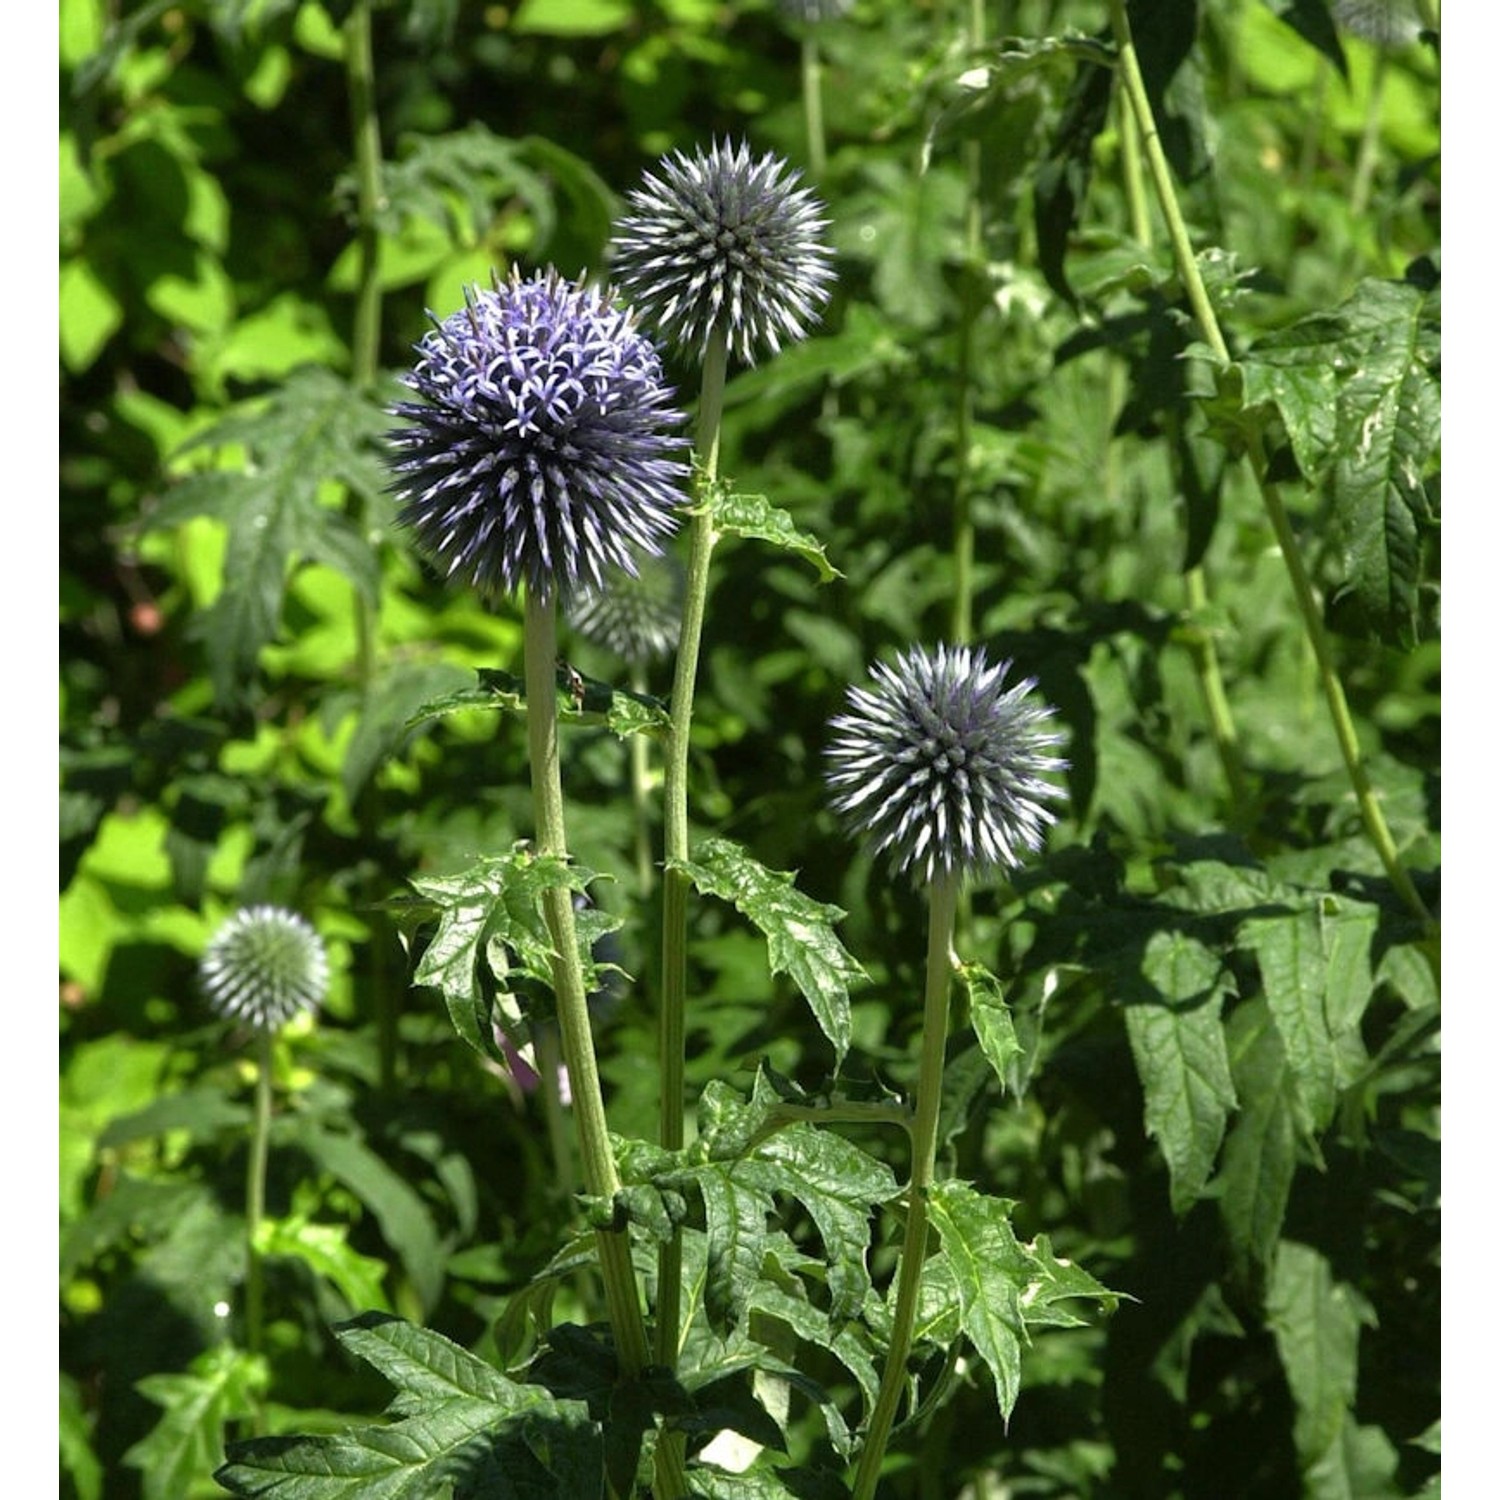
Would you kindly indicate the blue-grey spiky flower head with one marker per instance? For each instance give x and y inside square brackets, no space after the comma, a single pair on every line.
[811,12]
[640,618]
[263,966]
[539,450]
[723,240]
[1386,24]
[941,766]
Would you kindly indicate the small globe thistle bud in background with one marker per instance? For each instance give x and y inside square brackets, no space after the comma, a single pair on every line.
[638,619]
[1386,24]
[539,450]
[264,966]
[721,240]
[941,767]
[811,12]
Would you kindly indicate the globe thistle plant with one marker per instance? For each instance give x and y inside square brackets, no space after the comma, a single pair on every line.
[941,767]
[721,241]
[264,966]
[538,450]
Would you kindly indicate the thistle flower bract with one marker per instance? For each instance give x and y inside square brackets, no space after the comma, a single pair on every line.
[263,966]
[640,618]
[721,240]
[539,451]
[1382,23]
[941,766]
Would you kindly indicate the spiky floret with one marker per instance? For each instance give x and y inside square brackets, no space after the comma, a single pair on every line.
[263,966]
[640,618]
[539,450]
[723,240]
[941,767]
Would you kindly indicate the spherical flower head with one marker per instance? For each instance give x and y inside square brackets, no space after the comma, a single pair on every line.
[638,619]
[1387,24]
[723,241]
[811,12]
[941,766]
[539,450]
[263,966]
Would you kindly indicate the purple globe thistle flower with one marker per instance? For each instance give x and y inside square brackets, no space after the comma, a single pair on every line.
[638,619]
[941,765]
[263,966]
[1387,24]
[538,451]
[723,241]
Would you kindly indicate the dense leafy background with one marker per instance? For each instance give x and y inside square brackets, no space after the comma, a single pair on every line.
[1224,1099]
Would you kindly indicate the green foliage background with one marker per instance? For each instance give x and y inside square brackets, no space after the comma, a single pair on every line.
[1223,1091]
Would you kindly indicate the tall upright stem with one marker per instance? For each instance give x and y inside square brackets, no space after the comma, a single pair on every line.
[255,1192]
[701,540]
[1302,590]
[812,105]
[943,907]
[600,1177]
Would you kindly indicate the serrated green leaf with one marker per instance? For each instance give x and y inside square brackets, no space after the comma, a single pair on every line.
[990,1272]
[495,907]
[1316,1322]
[459,1422]
[581,701]
[1260,1151]
[179,1455]
[992,1021]
[735,1212]
[76,1449]
[1055,1284]
[314,428]
[799,931]
[754,516]
[1293,967]
[1181,1058]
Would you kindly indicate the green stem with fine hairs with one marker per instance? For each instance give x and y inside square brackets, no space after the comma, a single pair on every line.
[942,910]
[255,1201]
[1302,590]
[1198,638]
[640,795]
[672,1037]
[812,105]
[962,625]
[364,131]
[599,1175]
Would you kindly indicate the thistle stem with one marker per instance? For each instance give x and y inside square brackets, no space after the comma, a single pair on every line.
[812,105]
[640,796]
[1200,642]
[943,907]
[1312,621]
[255,1202]
[599,1175]
[702,538]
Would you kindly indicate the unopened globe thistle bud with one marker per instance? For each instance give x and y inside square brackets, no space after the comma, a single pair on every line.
[1386,24]
[724,241]
[539,449]
[638,619]
[263,966]
[941,766]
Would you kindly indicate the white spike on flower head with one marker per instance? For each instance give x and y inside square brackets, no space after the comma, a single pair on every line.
[263,966]
[723,240]
[941,766]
